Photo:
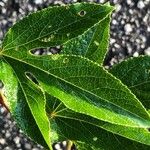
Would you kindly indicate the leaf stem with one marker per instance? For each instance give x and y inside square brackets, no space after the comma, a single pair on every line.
[2,101]
[69,145]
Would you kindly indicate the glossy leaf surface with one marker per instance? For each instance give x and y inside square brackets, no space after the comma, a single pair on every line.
[74,77]
[92,44]
[135,73]
[26,103]
[86,88]
[54,25]
[88,133]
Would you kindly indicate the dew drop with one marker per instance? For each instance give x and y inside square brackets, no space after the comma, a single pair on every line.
[65,60]
[82,13]
[96,43]
[95,139]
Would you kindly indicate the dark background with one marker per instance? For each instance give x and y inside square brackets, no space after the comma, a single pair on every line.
[130,36]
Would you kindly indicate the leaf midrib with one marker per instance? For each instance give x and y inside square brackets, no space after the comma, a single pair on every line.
[75,85]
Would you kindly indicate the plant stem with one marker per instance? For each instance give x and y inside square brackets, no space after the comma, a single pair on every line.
[2,101]
[69,145]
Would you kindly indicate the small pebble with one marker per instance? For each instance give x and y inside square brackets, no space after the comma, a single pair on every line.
[136,54]
[141,4]
[128,28]
[38,1]
[147,51]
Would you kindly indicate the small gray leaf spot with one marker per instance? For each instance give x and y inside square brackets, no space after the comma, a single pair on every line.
[95,139]
[96,43]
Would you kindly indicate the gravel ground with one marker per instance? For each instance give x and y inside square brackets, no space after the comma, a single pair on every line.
[130,36]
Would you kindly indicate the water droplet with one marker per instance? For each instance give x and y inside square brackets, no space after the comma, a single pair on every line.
[96,43]
[95,139]
[82,13]
[65,60]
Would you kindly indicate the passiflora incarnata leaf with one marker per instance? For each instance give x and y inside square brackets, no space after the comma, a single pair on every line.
[88,133]
[26,102]
[83,86]
[79,82]
[135,73]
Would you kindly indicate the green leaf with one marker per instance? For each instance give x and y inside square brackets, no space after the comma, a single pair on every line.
[81,84]
[54,25]
[88,133]
[92,44]
[92,86]
[84,87]
[135,73]
[26,103]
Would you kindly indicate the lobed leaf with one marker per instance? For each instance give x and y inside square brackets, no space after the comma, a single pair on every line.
[96,99]
[84,87]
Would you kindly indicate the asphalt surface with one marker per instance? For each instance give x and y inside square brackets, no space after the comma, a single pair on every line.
[130,36]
